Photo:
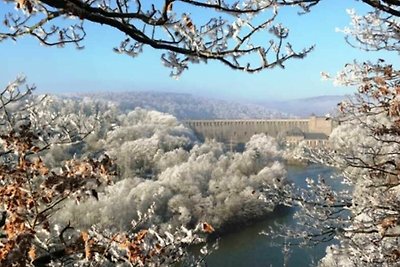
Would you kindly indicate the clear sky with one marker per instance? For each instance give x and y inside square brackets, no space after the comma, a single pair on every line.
[96,67]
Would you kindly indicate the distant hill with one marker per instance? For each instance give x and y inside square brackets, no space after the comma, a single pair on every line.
[304,107]
[187,106]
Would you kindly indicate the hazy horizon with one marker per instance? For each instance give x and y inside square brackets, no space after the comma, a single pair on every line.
[193,93]
[191,106]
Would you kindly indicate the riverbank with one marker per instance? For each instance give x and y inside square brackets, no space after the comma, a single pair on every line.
[244,246]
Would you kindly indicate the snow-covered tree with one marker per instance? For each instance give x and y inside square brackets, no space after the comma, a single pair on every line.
[367,149]
[365,146]
[64,201]
[230,187]
[31,193]
[202,183]
[141,137]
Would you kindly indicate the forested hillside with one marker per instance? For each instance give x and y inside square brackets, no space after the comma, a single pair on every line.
[186,106]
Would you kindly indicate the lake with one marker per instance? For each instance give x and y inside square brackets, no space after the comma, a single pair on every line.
[248,248]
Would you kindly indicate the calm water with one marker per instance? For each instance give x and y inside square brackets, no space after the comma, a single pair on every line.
[247,248]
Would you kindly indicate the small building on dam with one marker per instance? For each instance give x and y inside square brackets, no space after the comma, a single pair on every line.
[314,130]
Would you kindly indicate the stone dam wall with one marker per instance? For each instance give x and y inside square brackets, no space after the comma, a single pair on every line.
[240,131]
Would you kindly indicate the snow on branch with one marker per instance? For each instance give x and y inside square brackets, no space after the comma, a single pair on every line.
[224,31]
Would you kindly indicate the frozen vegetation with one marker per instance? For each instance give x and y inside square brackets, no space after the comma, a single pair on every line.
[187,106]
[55,152]
[161,161]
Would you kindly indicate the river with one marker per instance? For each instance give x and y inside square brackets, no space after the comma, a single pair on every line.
[248,248]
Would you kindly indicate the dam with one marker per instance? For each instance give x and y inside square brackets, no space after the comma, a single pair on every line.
[235,132]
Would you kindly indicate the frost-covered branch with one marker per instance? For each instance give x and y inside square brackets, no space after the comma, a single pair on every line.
[373,31]
[32,193]
[214,30]
[365,147]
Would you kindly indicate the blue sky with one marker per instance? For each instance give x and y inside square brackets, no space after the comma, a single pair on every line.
[97,68]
